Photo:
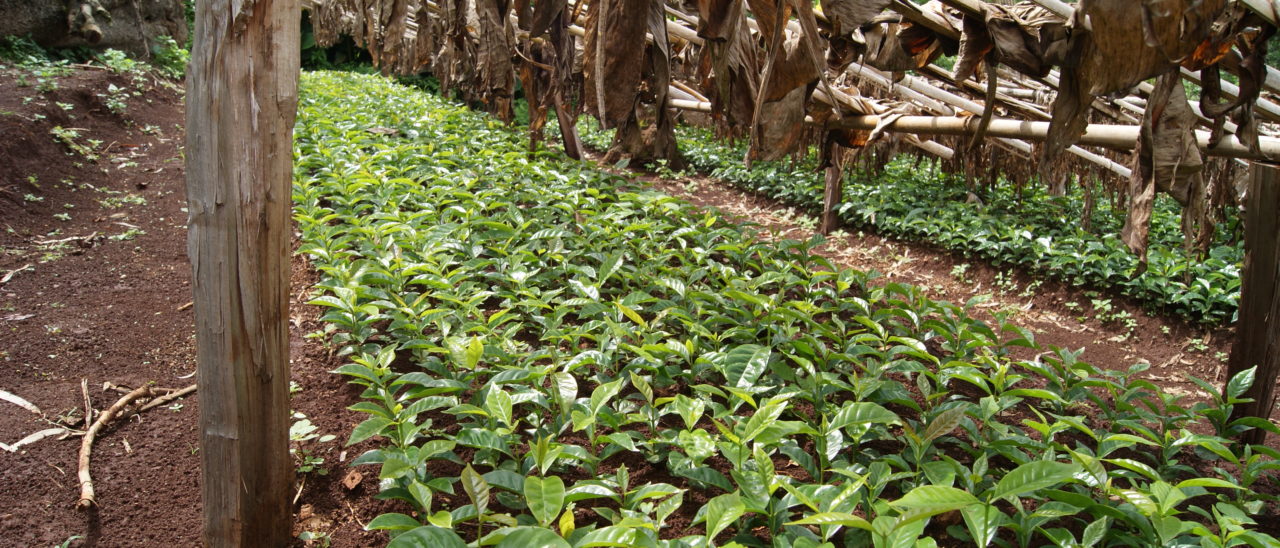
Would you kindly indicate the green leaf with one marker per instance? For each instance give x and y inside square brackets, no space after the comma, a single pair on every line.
[689,409]
[983,520]
[722,511]
[862,413]
[834,518]
[603,393]
[763,418]
[466,353]
[1035,393]
[499,406]
[477,489]
[545,497]
[392,522]
[1095,532]
[529,537]
[480,438]
[744,364]
[943,424]
[1207,482]
[1241,383]
[930,500]
[372,426]
[441,519]
[632,315]
[1032,476]
[428,537]
[566,389]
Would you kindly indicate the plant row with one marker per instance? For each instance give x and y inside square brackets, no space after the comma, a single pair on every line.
[914,201]
[553,356]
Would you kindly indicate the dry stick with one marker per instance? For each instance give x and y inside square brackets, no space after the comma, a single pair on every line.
[125,389]
[10,274]
[173,395]
[88,406]
[87,499]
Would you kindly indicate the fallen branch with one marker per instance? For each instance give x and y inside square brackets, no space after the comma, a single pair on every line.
[70,239]
[173,395]
[9,275]
[123,389]
[87,499]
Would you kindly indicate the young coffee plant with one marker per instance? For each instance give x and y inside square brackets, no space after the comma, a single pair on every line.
[549,355]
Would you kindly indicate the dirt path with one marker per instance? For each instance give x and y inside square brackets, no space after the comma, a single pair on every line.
[95,242]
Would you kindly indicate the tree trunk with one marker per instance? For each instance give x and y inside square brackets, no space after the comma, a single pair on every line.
[1258,331]
[241,104]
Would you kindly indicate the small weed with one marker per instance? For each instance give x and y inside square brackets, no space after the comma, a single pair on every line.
[62,216]
[169,57]
[67,543]
[32,198]
[116,99]
[302,431]
[128,234]
[118,61]
[1196,345]
[1004,282]
[318,539]
[961,273]
[68,136]
[116,202]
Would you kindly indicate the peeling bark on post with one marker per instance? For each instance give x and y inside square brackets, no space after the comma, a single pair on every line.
[241,104]
[1258,331]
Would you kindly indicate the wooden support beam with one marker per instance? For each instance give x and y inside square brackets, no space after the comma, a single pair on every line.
[241,102]
[914,84]
[1266,8]
[1258,331]
[1112,136]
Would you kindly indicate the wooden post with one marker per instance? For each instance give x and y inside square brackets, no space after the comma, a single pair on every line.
[241,103]
[833,188]
[1258,331]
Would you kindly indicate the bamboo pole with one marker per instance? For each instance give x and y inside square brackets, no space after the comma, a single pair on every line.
[241,103]
[919,85]
[1112,136]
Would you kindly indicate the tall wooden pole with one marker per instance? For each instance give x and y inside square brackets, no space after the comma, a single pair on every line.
[241,103]
[1258,331]
[833,187]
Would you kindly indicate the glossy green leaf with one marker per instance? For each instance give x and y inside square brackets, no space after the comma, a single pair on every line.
[428,537]
[545,497]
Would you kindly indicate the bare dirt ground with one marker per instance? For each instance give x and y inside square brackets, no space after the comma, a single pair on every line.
[94,289]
